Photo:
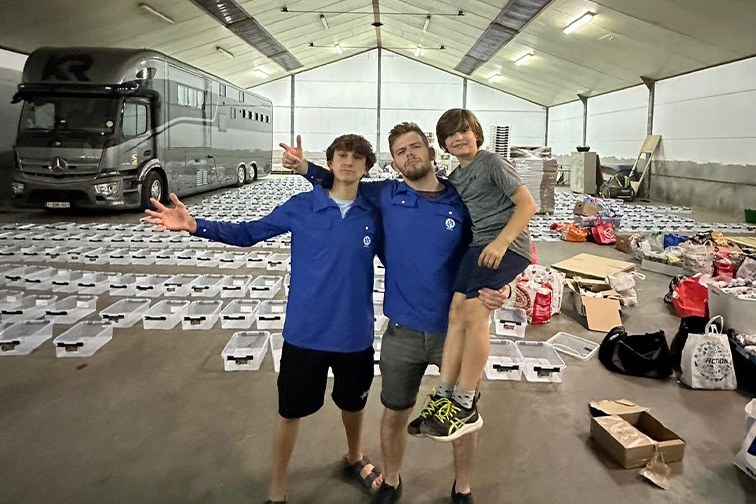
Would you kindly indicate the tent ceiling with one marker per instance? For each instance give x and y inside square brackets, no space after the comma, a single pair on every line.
[624,41]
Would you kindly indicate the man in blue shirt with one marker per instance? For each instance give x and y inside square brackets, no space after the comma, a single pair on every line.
[329,316]
[426,230]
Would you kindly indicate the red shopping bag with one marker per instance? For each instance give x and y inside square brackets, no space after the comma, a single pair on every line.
[603,233]
[690,298]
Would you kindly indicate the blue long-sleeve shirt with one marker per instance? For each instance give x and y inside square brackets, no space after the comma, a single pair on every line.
[330,297]
[424,239]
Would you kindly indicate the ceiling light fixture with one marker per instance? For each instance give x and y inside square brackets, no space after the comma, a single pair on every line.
[418,50]
[323,20]
[494,77]
[261,74]
[339,50]
[426,23]
[224,52]
[156,13]
[582,20]
[524,59]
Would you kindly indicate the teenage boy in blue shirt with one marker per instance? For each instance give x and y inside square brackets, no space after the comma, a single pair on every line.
[329,316]
[426,230]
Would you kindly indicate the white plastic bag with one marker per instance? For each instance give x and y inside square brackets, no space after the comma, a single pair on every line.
[746,457]
[706,361]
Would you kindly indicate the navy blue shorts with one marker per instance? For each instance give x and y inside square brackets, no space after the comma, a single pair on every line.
[471,277]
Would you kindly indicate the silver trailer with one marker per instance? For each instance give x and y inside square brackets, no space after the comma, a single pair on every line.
[110,128]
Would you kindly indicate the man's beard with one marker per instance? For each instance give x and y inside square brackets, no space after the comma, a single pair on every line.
[417,172]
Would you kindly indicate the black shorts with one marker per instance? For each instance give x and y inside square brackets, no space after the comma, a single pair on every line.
[471,277]
[304,374]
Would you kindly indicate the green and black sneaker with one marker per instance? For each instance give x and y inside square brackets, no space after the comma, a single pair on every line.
[431,405]
[451,421]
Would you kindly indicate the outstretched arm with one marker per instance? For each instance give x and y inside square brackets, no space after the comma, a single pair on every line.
[176,218]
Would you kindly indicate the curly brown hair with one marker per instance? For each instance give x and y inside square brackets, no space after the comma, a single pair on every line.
[455,120]
[356,144]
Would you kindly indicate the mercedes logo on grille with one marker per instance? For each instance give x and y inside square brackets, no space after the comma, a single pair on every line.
[58,165]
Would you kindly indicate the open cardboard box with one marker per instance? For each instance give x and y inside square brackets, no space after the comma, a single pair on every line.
[602,313]
[585,209]
[592,266]
[631,435]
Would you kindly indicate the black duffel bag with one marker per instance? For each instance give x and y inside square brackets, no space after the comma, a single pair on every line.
[646,355]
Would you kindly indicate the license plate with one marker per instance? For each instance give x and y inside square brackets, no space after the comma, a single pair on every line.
[58,204]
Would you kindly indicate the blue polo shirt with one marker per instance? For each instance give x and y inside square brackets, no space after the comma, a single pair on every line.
[424,240]
[330,297]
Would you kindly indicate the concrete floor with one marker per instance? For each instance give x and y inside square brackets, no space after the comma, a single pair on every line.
[153,418]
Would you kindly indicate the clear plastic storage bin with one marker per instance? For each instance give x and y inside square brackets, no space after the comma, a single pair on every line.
[257,260]
[179,285]
[245,351]
[231,260]
[166,258]
[265,287]
[11,297]
[143,257]
[28,308]
[286,284]
[271,314]
[279,262]
[379,288]
[13,275]
[123,285]
[83,339]
[201,315]
[23,337]
[43,280]
[568,344]
[94,282]
[206,286]
[71,309]
[235,286]
[378,268]
[97,255]
[126,312]
[66,281]
[151,285]
[510,321]
[276,346]
[186,257]
[207,259]
[37,277]
[542,362]
[165,314]
[380,321]
[239,314]
[119,256]
[505,361]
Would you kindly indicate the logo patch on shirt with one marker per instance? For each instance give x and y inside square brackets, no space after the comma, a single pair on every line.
[450,224]
[367,241]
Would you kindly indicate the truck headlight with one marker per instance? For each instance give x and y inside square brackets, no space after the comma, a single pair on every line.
[106,189]
[18,188]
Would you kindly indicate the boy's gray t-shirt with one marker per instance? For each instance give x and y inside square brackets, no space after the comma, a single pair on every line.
[486,186]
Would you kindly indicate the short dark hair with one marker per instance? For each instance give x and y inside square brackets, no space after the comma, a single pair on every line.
[403,128]
[356,144]
[455,120]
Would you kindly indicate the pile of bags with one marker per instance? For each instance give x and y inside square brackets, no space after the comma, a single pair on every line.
[539,292]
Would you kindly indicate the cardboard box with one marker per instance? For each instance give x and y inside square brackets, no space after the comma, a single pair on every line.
[623,243]
[631,435]
[602,314]
[585,209]
[592,266]
[738,313]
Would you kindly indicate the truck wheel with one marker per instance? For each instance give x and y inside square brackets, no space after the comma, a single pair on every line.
[241,176]
[152,187]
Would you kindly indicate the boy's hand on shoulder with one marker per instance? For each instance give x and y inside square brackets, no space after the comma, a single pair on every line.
[492,254]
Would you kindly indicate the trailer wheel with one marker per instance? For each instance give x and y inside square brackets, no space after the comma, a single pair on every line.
[241,176]
[152,187]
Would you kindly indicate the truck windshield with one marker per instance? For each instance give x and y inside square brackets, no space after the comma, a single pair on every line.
[74,114]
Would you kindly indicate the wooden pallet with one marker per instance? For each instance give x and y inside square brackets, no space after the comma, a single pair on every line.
[743,241]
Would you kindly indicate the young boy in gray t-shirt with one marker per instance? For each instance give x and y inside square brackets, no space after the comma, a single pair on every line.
[500,207]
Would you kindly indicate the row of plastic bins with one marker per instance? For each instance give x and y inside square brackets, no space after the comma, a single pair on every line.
[85,338]
[537,360]
[59,311]
[45,278]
